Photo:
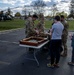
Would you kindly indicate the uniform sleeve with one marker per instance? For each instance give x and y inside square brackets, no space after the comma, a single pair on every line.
[31,29]
[40,26]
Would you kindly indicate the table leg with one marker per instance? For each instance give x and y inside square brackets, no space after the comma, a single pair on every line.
[35,51]
[35,58]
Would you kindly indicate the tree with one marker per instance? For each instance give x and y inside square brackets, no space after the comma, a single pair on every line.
[8,11]
[25,11]
[62,13]
[72,9]
[18,14]
[54,9]
[39,6]
[1,13]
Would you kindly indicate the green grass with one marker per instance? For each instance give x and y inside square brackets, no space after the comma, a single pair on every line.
[71,25]
[48,24]
[6,25]
[18,23]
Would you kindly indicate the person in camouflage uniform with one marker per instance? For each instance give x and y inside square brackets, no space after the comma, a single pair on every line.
[30,27]
[64,35]
[41,25]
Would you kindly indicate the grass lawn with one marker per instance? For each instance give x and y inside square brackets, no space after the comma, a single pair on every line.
[71,25]
[17,23]
[13,24]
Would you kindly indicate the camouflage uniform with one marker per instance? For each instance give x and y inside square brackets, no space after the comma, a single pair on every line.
[29,28]
[64,37]
[40,25]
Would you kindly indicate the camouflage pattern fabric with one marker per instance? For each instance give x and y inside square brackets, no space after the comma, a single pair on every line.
[40,26]
[64,36]
[29,28]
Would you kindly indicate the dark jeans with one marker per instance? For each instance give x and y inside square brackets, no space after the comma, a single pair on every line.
[55,46]
[72,59]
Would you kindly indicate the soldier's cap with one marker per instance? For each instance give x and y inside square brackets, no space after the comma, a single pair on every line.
[35,16]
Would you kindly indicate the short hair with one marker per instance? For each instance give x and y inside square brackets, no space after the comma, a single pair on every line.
[35,16]
[57,18]
[62,16]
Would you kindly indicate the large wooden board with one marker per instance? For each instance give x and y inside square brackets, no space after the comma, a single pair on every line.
[32,41]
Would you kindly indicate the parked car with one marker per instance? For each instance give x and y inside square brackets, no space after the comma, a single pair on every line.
[5,17]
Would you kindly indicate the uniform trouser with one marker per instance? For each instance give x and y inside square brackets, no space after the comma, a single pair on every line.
[55,51]
[72,59]
[64,44]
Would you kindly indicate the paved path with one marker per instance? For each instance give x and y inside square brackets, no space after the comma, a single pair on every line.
[12,55]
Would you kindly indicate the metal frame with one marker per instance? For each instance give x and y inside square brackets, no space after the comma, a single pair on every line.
[36,49]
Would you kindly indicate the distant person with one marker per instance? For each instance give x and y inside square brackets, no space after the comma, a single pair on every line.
[64,36]
[72,58]
[55,42]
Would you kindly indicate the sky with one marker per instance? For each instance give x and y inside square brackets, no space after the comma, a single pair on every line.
[61,4]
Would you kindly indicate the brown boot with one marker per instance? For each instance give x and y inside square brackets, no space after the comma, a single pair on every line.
[56,65]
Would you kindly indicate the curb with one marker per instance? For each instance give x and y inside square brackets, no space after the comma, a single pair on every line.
[11,30]
[7,31]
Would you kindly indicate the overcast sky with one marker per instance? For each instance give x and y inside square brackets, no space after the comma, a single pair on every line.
[4,4]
